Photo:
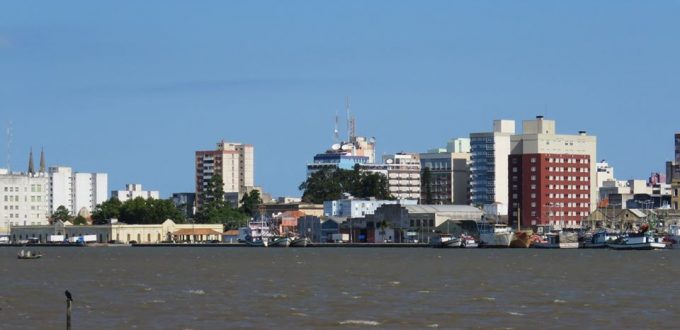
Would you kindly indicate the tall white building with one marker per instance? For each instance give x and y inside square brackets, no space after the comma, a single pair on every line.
[23,199]
[132,191]
[76,191]
[489,164]
[403,174]
[234,162]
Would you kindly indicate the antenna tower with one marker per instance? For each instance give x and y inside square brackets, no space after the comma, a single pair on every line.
[8,131]
[336,133]
[349,121]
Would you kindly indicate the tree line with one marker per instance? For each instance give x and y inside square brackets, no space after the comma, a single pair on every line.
[331,184]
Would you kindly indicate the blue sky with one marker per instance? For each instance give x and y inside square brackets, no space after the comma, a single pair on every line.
[133,88]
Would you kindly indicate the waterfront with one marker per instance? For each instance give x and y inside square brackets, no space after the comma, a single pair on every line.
[336,288]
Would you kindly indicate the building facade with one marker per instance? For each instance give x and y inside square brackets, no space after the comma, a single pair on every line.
[449,178]
[234,162]
[76,191]
[357,208]
[24,199]
[185,203]
[552,178]
[489,163]
[134,190]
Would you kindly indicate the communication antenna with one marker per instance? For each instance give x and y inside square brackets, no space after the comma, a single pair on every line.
[336,133]
[8,131]
[349,120]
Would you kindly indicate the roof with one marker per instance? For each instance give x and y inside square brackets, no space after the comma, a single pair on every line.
[232,232]
[638,213]
[441,209]
[196,231]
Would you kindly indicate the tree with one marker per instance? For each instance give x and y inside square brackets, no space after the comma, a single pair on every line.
[330,184]
[214,209]
[426,182]
[61,214]
[79,220]
[105,211]
[249,203]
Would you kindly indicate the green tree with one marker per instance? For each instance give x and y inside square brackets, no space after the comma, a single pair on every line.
[426,183]
[105,211]
[61,213]
[214,209]
[330,184]
[322,185]
[79,220]
[249,203]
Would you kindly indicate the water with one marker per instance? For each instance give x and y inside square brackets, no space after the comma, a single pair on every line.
[340,288]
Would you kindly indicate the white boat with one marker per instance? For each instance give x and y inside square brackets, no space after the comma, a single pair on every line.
[467,241]
[280,242]
[445,241]
[637,241]
[494,235]
[300,242]
[672,238]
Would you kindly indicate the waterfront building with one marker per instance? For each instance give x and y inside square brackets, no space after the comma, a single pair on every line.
[357,208]
[76,191]
[552,176]
[675,200]
[185,202]
[309,226]
[124,233]
[449,177]
[271,209]
[132,191]
[24,199]
[489,164]
[234,162]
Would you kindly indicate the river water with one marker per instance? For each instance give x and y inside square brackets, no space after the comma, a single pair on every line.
[340,288]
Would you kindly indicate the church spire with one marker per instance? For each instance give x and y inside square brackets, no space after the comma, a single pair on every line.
[42,160]
[31,169]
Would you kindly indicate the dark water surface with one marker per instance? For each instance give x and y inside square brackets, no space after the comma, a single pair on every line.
[340,288]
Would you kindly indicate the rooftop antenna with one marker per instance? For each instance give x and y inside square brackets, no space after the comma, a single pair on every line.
[8,131]
[349,120]
[336,133]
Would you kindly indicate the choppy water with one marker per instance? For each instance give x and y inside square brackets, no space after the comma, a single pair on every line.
[340,288]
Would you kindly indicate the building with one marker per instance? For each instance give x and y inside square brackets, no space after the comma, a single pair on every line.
[24,199]
[234,162]
[272,209]
[76,191]
[489,164]
[357,208]
[552,177]
[403,175]
[604,172]
[458,145]
[675,195]
[449,177]
[132,191]
[309,227]
[120,232]
[185,203]
[402,221]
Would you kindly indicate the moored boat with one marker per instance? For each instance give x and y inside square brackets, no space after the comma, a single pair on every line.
[300,242]
[637,241]
[28,255]
[558,240]
[494,235]
[672,237]
[445,241]
[521,239]
[467,241]
[598,240]
[280,242]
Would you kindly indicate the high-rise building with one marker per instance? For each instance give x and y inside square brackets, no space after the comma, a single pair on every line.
[234,162]
[134,190]
[489,164]
[677,148]
[76,191]
[552,177]
[345,155]
[449,177]
[23,197]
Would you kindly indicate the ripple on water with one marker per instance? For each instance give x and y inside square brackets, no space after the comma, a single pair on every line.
[196,292]
[360,322]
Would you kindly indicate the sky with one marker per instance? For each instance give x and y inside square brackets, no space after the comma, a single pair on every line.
[134,88]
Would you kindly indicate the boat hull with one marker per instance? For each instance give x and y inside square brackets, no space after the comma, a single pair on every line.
[280,242]
[521,240]
[555,246]
[637,246]
[300,242]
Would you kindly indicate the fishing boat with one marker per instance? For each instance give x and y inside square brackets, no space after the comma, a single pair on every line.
[445,241]
[494,235]
[598,240]
[672,237]
[280,241]
[642,240]
[300,242]
[558,240]
[28,255]
[467,241]
[521,239]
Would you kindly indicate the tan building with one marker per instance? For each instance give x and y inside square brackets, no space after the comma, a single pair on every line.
[233,161]
[167,231]
[675,195]
[450,177]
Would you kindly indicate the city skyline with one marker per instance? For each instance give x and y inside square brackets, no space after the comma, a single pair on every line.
[106,90]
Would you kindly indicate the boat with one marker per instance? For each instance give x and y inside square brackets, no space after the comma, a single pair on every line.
[300,242]
[280,241]
[467,241]
[521,239]
[642,240]
[558,240]
[28,255]
[598,240]
[672,237]
[445,241]
[494,235]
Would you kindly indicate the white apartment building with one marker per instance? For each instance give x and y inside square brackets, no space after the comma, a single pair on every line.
[23,200]
[132,191]
[489,164]
[403,174]
[76,191]
[234,162]
[358,208]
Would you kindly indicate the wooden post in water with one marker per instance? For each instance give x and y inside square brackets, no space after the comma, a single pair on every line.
[69,300]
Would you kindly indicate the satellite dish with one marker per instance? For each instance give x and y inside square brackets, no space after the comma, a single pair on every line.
[347,147]
[389,161]
[335,147]
[371,140]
